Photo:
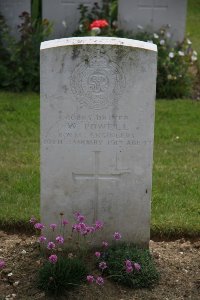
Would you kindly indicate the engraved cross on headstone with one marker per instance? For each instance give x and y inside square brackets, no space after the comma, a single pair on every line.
[96,176]
[154,6]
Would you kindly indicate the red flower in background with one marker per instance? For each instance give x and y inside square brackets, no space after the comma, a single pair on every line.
[99,24]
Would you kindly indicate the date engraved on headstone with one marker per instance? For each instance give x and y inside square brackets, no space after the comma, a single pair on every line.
[98,82]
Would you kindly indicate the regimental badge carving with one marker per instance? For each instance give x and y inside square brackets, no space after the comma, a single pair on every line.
[98,82]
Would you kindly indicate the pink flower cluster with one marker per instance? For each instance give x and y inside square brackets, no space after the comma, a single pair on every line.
[130,266]
[82,227]
[98,280]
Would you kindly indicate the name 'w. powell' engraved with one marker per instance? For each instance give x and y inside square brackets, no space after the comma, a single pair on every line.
[97,82]
[97,176]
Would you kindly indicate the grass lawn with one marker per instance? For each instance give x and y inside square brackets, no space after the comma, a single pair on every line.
[176,175]
[19,157]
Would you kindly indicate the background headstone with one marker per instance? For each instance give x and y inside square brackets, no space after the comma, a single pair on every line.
[61,12]
[97,128]
[153,14]
[11,9]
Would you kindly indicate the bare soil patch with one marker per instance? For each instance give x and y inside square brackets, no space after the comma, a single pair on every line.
[177,261]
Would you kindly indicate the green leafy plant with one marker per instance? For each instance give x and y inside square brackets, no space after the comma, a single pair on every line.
[130,266]
[20,70]
[65,274]
[177,62]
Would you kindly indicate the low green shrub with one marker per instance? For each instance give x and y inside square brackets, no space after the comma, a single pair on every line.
[63,275]
[131,266]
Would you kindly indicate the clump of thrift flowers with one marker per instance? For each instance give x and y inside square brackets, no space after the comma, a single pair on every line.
[77,235]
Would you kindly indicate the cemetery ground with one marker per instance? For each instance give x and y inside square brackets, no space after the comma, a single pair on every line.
[175,225]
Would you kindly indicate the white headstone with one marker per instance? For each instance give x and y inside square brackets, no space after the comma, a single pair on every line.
[11,9]
[97,129]
[153,14]
[61,12]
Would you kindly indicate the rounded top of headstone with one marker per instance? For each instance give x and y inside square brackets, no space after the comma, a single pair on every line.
[74,41]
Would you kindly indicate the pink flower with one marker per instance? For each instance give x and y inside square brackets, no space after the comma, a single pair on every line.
[97,254]
[128,263]
[80,218]
[99,280]
[39,226]
[117,236]
[42,239]
[59,239]
[53,226]
[32,220]
[137,266]
[76,215]
[105,244]
[98,225]
[83,228]
[2,264]
[53,258]
[102,265]
[76,227]
[90,229]
[129,269]
[65,222]
[51,245]
[90,278]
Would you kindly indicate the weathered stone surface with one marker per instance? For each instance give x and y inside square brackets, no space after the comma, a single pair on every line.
[153,14]
[11,9]
[97,128]
[64,15]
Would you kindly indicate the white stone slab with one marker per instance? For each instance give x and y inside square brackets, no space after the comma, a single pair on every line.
[153,14]
[11,9]
[58,11]
[97,128]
